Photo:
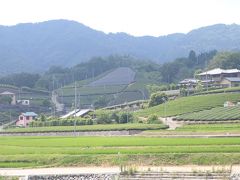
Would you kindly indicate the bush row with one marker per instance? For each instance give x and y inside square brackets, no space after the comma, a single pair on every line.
[61,122]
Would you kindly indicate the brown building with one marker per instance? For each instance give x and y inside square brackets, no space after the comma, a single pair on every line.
[230,82]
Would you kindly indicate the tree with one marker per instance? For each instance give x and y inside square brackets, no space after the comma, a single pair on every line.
[46,103]
[192,56]
[5,100]
[225,60]
[20,79]
[101,102]
[126,117]
[157,98]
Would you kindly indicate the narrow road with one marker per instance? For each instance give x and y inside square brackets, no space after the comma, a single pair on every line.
[59,106]
[115,170]
[172,124]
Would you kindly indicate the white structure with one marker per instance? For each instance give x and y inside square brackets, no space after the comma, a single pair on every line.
[76,113]
[24,102]
[218,74]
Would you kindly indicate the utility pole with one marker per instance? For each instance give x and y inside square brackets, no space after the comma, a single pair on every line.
[165,109]
[75,110]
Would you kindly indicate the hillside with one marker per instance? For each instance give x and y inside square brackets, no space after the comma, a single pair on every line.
[36,47]
[189,104]
[117,86]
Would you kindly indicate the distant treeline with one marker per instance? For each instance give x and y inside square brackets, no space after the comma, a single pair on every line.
[170,72]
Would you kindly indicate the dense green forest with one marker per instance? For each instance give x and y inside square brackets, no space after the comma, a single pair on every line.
[170,72]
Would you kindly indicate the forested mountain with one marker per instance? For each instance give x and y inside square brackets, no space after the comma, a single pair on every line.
[36,47]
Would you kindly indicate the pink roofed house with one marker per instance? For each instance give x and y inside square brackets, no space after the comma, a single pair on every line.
[25,118]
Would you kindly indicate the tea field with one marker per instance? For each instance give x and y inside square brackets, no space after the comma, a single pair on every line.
[215,114]
[190,104]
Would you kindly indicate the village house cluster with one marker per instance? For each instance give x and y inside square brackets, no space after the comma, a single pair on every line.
[214,78]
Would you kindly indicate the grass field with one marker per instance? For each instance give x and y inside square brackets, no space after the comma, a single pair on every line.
[210,128]
[215,114]
[190,104]
[105,127]
[56,151]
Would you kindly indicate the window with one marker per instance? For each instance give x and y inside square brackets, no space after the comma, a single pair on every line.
[27,117]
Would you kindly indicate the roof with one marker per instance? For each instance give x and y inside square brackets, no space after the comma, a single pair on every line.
[70,113]
[219,71]
[77,113]
[188,81]
[82,112]
[233,79]
[7,93]
[29,114]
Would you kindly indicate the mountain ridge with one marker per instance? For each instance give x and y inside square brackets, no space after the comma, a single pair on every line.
[34,47]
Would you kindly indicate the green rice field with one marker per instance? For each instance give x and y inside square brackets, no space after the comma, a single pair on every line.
[77,151]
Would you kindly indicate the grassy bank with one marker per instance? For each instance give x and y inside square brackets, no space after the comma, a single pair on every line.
[81,151]
[100,127]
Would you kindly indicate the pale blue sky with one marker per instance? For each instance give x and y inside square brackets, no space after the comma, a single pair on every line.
[136,17]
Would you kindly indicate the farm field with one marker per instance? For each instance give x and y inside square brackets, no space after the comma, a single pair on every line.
[190,104]
[198,129]
[78,151]
[215,114]
[210,128]
[105,127]
[88,90]
[127,86]
[119,76]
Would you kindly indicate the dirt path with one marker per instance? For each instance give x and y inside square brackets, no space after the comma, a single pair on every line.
[172,124]
[59,106]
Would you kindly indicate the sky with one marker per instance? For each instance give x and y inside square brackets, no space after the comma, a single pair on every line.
[135,17]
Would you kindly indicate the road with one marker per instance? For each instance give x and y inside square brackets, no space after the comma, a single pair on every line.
[59,106]
[115,170]
[172,124]
[59,171]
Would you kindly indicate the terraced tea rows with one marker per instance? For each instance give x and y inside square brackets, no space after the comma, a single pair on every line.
[190,104]
[215,114]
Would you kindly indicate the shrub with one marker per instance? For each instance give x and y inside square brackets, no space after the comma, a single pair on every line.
[126,117]
[103,119]
[157,98]
[153,119]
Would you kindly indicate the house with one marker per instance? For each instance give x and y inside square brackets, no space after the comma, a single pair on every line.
[190,83]
[11,95]
[25,118]
[217,75]
[230,82]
